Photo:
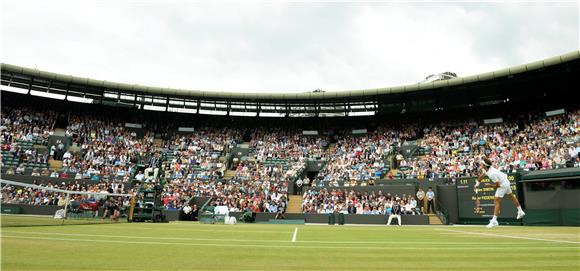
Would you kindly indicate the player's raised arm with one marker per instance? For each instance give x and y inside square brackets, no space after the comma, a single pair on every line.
[480,177]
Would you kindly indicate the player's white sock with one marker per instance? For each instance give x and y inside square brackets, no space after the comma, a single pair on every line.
[494,218]
[520,209]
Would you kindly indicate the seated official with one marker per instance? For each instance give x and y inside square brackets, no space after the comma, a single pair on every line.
[396,213]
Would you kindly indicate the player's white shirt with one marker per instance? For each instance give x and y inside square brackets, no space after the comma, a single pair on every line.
[496,176]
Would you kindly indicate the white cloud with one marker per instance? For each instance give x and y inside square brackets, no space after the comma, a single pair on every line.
[280,46]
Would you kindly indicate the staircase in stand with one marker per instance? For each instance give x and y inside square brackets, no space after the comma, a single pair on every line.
[331,148]
[434,220]
[54,164]
[59,132]
[158,142]
[229,174]
[294,204]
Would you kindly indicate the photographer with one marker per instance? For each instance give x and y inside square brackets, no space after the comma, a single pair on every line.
[113,210]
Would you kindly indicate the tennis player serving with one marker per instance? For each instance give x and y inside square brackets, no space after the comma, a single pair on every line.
[500,181]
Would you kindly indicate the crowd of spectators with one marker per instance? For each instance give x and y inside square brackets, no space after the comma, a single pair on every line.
[537,144]
[325,201]
[260,184]
[26,124]
[360,158]
[108,149]
[193,163]
[257,196]
[26,195]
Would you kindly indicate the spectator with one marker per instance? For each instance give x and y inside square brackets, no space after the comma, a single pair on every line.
[140,176]
[54,174]
[20,169]
[421,199]
[299,186]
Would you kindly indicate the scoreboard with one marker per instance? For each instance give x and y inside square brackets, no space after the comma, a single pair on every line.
[480,205]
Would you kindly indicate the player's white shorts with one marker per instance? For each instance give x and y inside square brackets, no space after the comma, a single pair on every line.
[502,191]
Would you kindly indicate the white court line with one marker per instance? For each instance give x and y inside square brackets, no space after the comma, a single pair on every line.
[270,241]
[143,237]
[374,225]
[26,215]
[273,246]
[294,235]
[510,236]
[116,226]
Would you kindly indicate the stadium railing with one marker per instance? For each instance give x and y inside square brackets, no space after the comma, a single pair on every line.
[442,213]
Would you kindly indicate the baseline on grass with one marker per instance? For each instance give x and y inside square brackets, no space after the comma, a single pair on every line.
[61,206]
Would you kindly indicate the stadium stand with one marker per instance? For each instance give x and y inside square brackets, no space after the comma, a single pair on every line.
[106,134]
[194,165]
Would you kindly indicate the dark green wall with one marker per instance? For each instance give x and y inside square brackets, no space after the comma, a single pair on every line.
[447,197]
[560,206]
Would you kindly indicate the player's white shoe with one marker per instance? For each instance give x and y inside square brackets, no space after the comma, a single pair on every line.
[520,214]
[492,223]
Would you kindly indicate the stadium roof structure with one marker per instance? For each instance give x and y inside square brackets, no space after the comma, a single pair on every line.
[427,95]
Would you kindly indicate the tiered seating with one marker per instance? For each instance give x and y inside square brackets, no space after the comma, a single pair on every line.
[194,165]
[26,153]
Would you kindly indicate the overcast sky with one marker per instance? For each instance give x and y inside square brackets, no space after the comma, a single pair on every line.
[280,46]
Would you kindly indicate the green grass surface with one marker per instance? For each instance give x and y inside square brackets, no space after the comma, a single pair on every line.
[37,220]
[192,246]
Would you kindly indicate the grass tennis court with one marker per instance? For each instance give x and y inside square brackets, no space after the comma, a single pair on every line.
[193,246]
